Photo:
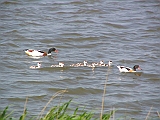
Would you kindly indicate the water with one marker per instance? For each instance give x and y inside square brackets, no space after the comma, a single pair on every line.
[126,32]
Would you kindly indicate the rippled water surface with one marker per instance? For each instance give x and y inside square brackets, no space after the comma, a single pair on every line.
[126,32]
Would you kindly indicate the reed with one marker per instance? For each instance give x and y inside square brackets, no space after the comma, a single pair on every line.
[148,113]
[158,114]
[104,93]
[55,95]
[23,116]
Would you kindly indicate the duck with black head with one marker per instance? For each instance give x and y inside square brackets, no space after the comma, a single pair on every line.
[128,69]
[39,53]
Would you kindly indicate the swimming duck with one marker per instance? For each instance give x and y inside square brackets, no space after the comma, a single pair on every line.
[35,67]
[80,64]
[38,53]
[84,63]
[101,63]
[127,69]
[98,63]
[109,63]
[91,65]
[61,64]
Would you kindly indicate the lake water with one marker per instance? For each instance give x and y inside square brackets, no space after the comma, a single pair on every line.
[126,32]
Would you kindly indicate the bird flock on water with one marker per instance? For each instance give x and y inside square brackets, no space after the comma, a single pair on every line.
[40,53]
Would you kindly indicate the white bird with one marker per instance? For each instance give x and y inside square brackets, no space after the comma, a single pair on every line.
[103,64]
[61,64]
[109,63]
[80,64]
[98,63]
[35,67]
[92,65]
[84,63]
[127,69]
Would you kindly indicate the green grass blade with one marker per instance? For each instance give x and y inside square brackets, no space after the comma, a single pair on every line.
[23,115]
[4,112]
[65,106]
[75,112]
[107,115]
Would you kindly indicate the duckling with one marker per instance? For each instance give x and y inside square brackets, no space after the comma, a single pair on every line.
[79,64]
[61,64]
[36,67]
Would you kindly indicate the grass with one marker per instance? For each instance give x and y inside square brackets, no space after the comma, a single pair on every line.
[63,112]
[59,112]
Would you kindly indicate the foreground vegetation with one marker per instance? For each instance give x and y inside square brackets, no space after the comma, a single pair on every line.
[59,112]
[62,112]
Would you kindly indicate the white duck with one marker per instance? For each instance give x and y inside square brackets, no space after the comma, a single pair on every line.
[92,65]
[98,63]
[84,63]
[127,69]
[39,53]
[109,63]
[36,67]
[80,64]
[61,64]
[103,64]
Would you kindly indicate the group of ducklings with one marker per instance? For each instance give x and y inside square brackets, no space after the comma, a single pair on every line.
[94,64]
[83,64]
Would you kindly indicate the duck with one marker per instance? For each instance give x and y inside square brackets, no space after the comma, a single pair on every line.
[84,63]
[91,65]
[109,63]
[80,64]
[101,63]
[39,53]
[61,64]
[36,67]
[128,69]
[98,63]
